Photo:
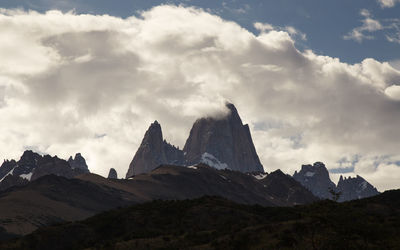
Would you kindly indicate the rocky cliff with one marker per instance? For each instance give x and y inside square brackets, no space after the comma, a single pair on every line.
[221,143]
[316,179]
[355,188]
[154,151]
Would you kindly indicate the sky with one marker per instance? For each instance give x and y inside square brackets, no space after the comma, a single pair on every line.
[315,80]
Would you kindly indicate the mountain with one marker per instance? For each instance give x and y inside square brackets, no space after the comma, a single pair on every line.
[53,199]
[222,142]
[154,151]
[355,188]
[286,188]
[112,174]
[316,179]
[217,223]
[78,162]
[32,166]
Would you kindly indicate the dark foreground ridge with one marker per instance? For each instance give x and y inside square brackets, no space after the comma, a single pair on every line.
[53,199]
[216,223]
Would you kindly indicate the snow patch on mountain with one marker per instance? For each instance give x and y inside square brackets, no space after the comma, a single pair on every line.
[260,176]
[27,176]
[9,173]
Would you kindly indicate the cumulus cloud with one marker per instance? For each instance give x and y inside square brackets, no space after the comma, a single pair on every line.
[93,84]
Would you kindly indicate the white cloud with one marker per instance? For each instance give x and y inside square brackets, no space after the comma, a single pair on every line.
[292,31]
[368,25]
[388,3]
[75,77]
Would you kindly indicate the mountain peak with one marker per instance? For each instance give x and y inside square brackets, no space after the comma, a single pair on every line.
[153,151]
[226,141]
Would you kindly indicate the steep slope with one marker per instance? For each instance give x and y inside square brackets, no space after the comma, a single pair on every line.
[154,151]
[53,199]
[355,188]
[222,143]
[316,179]
[215,223]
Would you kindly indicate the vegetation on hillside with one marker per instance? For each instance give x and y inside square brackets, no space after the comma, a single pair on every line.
[216,223]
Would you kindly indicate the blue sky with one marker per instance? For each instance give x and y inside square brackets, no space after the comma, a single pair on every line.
[325,23]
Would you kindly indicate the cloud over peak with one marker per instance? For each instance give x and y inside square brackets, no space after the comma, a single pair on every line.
[67,78]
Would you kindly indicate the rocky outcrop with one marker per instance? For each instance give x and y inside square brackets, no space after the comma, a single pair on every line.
[32,166]
[112,174]
[154,151]
[355,188]
[78,162]
[316,179]
[222,143]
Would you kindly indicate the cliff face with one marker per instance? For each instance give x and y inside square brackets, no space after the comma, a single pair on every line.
[222,143]
[316,179]
[153,152]
[355,188]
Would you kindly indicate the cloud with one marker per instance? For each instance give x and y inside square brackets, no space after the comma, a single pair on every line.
[292,31]
[94,83]
[387,3]
[368,25]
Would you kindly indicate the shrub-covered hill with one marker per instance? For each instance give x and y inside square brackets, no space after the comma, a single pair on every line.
[216,223]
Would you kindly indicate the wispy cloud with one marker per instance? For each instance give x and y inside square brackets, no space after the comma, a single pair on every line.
[364,31]
[370,25]
[388,3]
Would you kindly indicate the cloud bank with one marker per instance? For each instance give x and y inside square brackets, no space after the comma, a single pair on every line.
[92,84]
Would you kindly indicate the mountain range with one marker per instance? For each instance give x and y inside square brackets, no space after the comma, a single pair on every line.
[218,159]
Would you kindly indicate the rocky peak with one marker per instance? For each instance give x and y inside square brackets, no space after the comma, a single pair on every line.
[154,151]
[355,188]
[222,143]
[78,162]
[316,179]
[279,184]
[32,166]
[112,174]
